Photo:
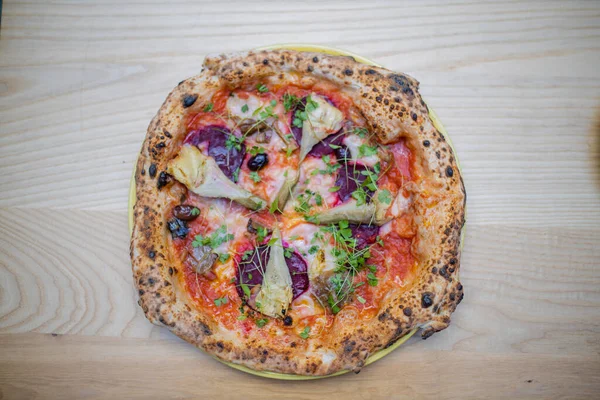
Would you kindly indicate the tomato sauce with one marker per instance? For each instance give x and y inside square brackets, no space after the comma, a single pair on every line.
[395,264]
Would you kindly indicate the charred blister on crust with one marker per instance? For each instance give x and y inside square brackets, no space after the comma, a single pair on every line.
[189,100]
[389,124]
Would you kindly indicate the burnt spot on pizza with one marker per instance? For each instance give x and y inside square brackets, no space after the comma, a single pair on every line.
[309,68]
[315,59]
[287,321]
[427,299]
[152,170]
[151,254]
[151,281]
[449,172]
[444,272]
[178,228]
[452,296]
[426,143]
[407,311]
[143,171]
[163,180]
[414,116]
[189,100]
[348,72]
[265,62]
[141,292]
[167,134]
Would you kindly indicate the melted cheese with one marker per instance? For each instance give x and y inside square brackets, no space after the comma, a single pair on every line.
[235,105]
[353,142]
[318,183]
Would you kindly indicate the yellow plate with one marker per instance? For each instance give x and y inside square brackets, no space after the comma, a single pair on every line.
[381,353]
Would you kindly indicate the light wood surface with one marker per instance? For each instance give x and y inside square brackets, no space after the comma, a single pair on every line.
[517,85]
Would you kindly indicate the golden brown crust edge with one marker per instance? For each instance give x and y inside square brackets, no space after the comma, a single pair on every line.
[393,107]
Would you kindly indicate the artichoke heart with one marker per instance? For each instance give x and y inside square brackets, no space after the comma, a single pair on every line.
[321,121]
[362,214]
[285,190]
[275,295]
[375,212]
[202,175]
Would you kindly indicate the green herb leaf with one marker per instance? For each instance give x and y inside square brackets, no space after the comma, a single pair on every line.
[361,299]
[334,189]
[246,289]
[289,101]
[372,279]
[242,317]
[262,88]
[362,132]
[195,211]
[221,301]
[274,207]
[234,142]
[313,249]
[208,107]
[255,177]
[385,196]
[366,151]
[305,333]
[256,150]
[245,108]
[261,322]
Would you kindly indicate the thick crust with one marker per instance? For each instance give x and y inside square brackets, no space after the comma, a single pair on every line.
[393,107]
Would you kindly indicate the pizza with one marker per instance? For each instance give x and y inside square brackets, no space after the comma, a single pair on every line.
[296,212]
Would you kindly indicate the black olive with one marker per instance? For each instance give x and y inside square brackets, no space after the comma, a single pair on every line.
[178,228]
[186,212]
[257,162]
[163,180]
[343,154]
[287,321]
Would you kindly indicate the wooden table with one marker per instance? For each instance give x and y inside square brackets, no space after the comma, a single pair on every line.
[517,85]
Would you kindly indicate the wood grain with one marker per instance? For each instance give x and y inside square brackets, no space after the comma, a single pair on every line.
[516,84]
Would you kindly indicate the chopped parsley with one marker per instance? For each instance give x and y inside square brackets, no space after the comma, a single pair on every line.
[245,108]
[208,107]
[334,189]
[223,257]
[313,249]
[262,88]
[195,211]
